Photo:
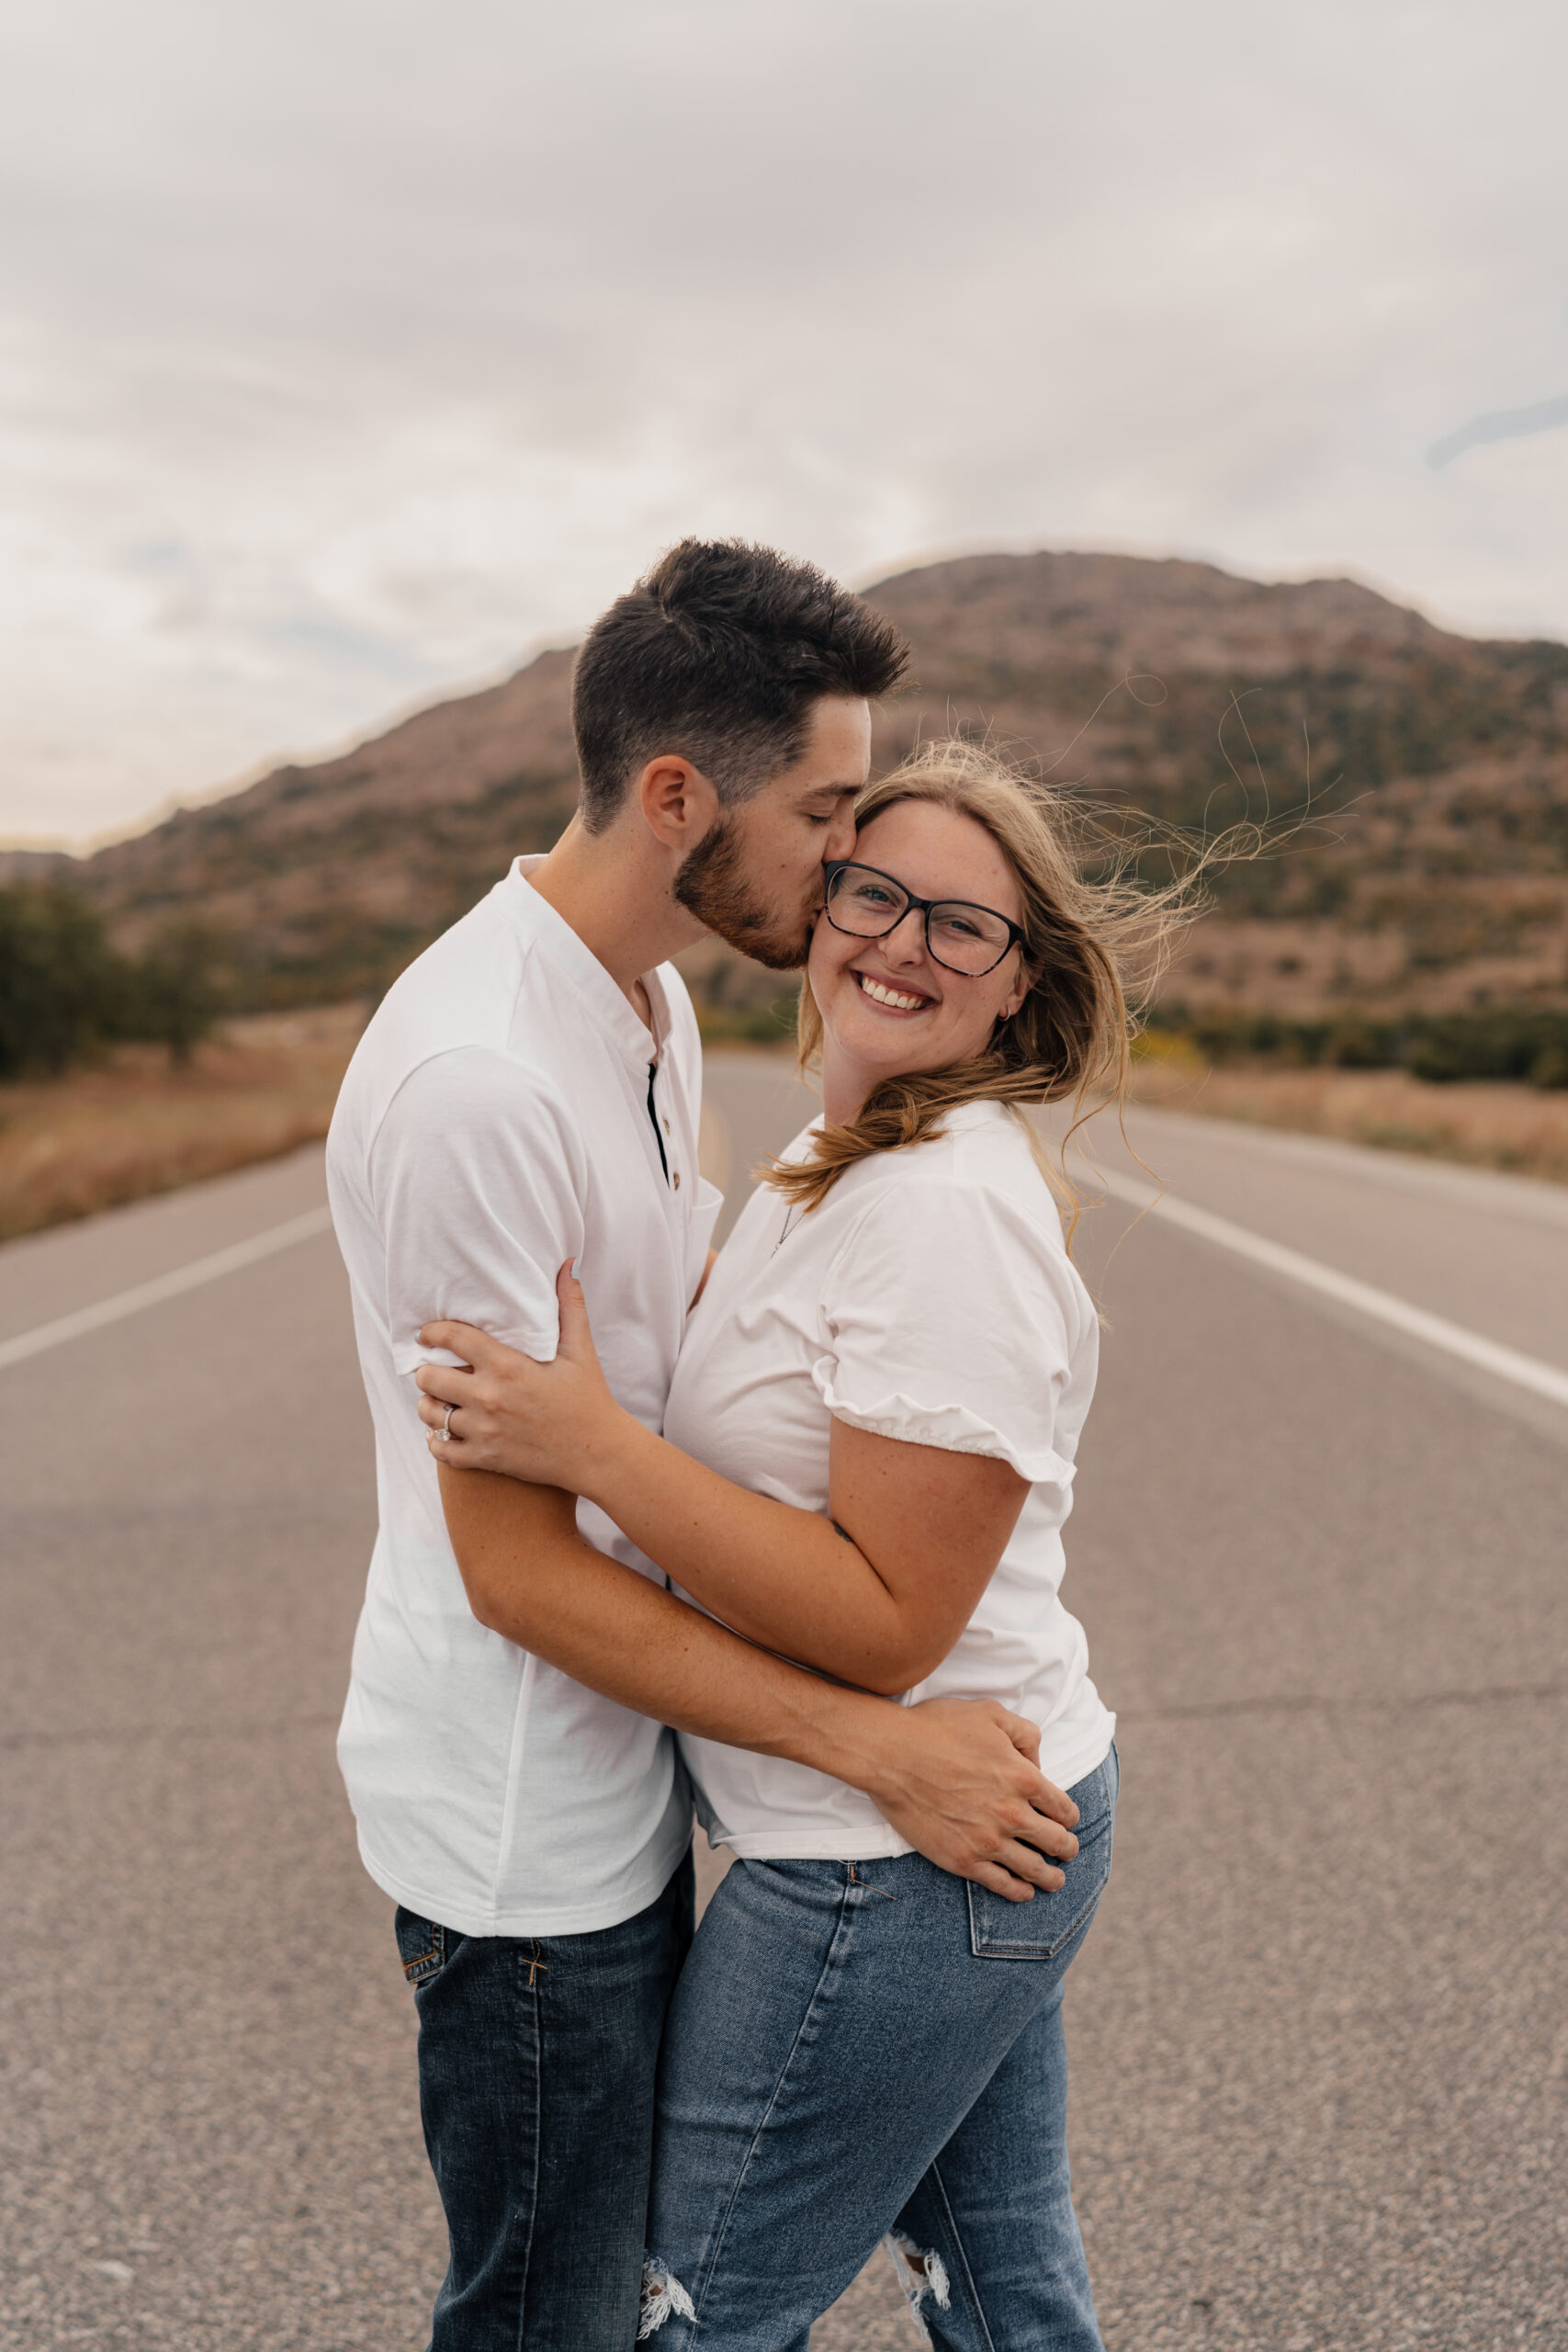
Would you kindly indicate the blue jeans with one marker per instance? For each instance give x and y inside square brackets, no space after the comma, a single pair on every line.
[861,2048]
[538,2058]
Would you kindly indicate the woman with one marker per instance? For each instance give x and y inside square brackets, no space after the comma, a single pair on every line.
[866,1463]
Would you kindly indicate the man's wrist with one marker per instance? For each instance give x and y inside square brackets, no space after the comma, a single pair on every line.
[854,1736]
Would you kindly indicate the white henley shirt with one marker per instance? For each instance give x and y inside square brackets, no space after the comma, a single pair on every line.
[494,1121]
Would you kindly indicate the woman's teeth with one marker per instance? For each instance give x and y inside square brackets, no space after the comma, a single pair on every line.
[879,995]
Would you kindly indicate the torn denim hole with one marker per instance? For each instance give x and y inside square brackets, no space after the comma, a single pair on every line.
[664,2297]
[919,2274]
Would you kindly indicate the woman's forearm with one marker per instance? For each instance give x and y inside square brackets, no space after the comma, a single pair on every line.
[876,1594]
[787,1578]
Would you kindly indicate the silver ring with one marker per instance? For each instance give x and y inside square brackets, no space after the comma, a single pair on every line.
[446,1429]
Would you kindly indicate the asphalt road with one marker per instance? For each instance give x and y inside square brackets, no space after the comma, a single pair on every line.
[1320,2049]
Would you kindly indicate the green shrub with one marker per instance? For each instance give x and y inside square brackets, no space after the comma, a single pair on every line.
[1355,1045]
[1497,1042]
[64,991]
[177,988]
[751,1024]
[57,978]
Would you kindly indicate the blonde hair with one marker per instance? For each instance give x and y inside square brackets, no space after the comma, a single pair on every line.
[1086,940]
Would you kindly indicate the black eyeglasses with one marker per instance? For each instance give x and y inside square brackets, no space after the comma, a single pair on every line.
[961,938]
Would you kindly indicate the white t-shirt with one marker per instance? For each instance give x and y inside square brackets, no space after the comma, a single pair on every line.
[930,1298]
[494,1121]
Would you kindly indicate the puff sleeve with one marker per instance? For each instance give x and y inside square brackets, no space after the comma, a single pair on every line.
[954,1319]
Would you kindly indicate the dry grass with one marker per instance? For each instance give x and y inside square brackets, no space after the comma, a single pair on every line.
[133,1124]
[1484,1124]
[267,1084]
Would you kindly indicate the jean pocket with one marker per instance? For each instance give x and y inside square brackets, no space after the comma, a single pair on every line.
[422,1947]
[1044,1928]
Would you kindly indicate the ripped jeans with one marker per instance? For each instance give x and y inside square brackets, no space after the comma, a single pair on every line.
[862,2050]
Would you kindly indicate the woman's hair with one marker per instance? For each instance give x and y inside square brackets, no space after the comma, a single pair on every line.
[1090,931]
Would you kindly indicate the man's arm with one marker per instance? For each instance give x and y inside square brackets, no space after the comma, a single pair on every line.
[950,1776]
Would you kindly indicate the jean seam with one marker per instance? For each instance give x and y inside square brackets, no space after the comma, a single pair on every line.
[426,1965]
[1047,1952]
[960,2265]
[531,2010]
[716,2244]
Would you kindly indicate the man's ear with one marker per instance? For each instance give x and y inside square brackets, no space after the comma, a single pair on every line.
[678,803]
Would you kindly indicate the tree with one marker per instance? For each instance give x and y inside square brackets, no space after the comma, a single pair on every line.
[58,977]
[178,989]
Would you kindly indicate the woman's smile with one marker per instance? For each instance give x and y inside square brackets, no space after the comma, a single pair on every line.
[889,997]
[870,991]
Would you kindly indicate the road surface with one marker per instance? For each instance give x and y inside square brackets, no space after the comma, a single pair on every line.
[1321,2062]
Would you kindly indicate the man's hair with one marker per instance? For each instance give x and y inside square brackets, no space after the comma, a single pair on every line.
[717,656]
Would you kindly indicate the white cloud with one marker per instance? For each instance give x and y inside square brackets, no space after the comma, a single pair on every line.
[355,347]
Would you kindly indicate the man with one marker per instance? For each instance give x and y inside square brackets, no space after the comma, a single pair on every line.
[528,1093]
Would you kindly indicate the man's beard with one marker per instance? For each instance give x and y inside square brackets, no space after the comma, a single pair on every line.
[711,885]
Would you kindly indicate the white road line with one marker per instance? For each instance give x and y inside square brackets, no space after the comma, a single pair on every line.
[183,1278]
[1435,1330]
[1487,1355]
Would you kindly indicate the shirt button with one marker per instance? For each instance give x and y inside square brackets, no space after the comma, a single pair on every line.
[666,1127]
[675,1180]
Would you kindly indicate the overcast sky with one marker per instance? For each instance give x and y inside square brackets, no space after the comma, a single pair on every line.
[350,349]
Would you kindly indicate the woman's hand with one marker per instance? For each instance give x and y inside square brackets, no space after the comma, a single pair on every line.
[550,1423]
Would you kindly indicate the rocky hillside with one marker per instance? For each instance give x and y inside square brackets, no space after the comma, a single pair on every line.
[1434,872]
[1432,769]
[328,879]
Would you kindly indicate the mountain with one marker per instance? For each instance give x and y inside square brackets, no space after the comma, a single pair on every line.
[1432,770]
[329,878]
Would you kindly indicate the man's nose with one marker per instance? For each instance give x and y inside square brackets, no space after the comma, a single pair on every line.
[840,835]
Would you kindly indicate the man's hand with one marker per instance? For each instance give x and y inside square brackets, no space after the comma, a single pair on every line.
[960,1781]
